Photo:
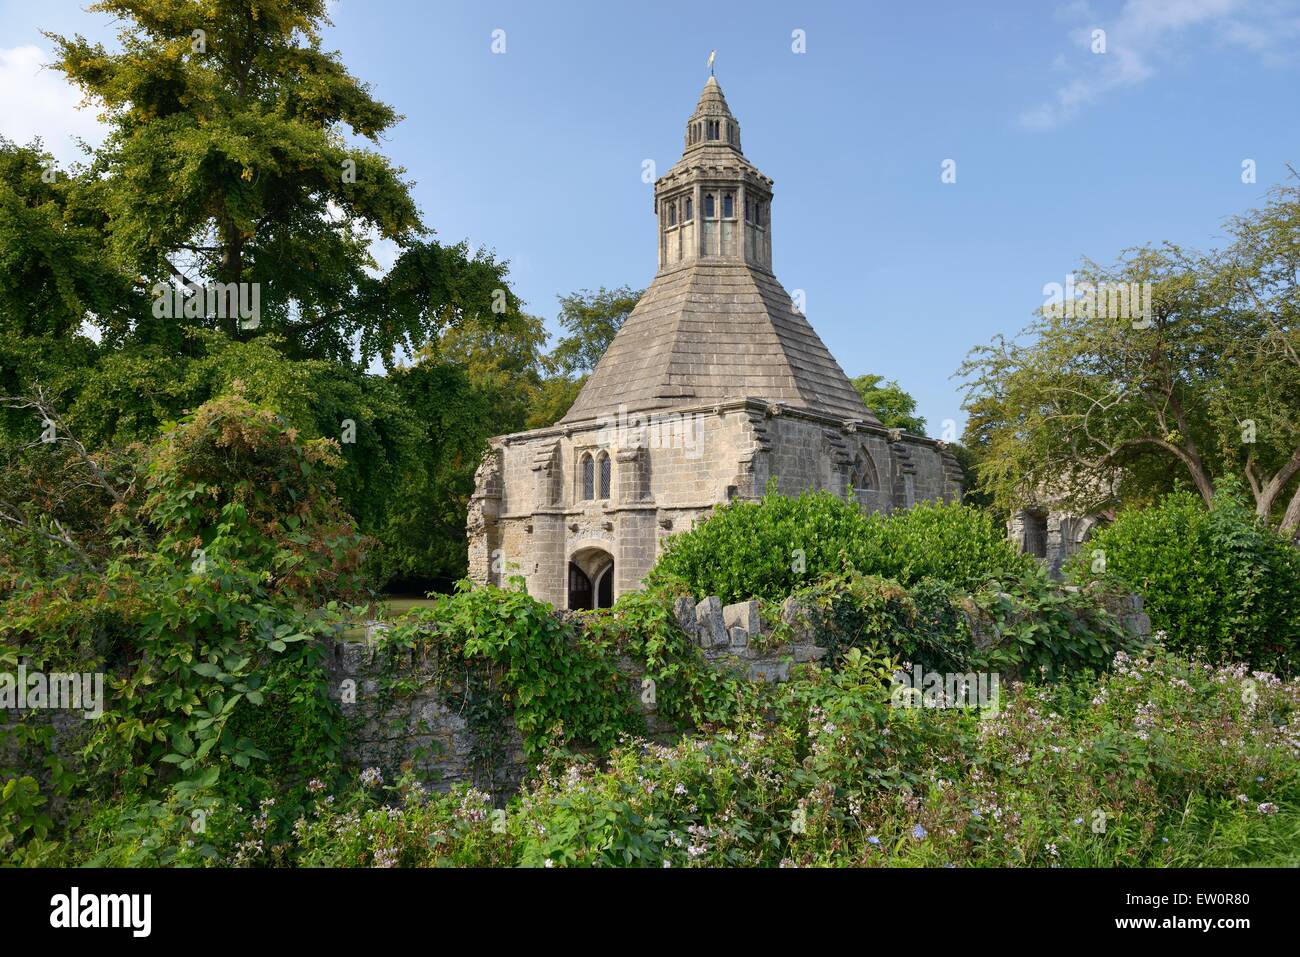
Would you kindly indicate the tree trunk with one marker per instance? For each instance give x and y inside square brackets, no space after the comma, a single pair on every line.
[1270,490]
[1291,518]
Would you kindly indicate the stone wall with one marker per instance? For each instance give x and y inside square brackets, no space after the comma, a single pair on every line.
[735,637]
[403,716]
[410,711]
[426,728]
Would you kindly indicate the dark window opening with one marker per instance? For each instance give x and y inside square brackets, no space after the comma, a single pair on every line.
[588,479]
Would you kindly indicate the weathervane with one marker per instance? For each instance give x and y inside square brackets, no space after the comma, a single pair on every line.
[712,54]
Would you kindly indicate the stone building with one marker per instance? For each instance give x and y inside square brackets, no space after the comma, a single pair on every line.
[715,384]
[1051,533]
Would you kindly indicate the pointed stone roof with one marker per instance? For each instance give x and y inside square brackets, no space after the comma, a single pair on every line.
[716,325]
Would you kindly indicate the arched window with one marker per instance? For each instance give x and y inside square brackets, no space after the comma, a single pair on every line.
[708,206]
[588,478]
[863,477]
[672,213]
[690,209]
[605,474]
[728,206]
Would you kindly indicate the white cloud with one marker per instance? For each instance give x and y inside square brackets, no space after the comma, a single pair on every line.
[1144,33]
[39,101]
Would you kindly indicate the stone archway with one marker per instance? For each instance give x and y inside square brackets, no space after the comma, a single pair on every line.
[591,579]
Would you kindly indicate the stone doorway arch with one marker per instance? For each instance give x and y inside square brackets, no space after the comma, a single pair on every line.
[591,579]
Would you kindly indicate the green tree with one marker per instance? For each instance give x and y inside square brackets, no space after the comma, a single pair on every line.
[894,407]
[591,320]
[1206,385]
[235,156]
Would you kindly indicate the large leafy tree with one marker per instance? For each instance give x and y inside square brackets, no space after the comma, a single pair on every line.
[892,404]
[241,152]
[591,320]
[1089,408]
[237,155]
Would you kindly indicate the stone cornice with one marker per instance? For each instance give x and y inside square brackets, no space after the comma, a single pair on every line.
[756,406]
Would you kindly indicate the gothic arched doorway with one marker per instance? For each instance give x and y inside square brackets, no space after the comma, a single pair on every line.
[591,580]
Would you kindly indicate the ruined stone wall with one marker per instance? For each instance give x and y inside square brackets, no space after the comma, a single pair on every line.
[402,714]
[425,728]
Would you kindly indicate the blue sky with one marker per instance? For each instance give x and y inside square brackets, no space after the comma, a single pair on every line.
[1060,152]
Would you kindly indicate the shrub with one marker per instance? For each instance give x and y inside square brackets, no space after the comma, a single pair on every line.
[1030,625]
[921,625]
[1160,762]
[770,548]
[953,543]
[204,619]
[1215,580]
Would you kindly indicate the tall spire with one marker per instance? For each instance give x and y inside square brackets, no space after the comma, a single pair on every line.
[715,324]
[712,123]
[713,203]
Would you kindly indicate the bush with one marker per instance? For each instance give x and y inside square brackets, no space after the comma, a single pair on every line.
[1161,762]
[1215,580]
[1030,625]
[206,622]
[770,548]
[953,543]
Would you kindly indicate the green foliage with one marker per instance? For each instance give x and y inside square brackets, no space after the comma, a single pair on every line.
[200,617]
[560,679]
[559,689]
[895,408]
[1097,406]
[239,157]
[242,159]
[953,543]
[400,826]
[1048,630]
[1031,625]
[26,824]
[405,478]
[591,320]
[1160,763]
[770,548]
[921,625]
[1216,581]
[642,625]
